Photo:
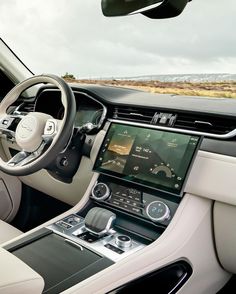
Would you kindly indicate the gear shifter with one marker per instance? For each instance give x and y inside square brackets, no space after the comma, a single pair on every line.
[98,221]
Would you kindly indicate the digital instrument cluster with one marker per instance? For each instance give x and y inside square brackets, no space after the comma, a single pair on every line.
[88,109]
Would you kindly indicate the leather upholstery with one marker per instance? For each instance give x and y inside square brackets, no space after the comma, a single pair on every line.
[7,232]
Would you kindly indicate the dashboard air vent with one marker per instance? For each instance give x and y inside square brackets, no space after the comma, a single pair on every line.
[205,123]
[134,114]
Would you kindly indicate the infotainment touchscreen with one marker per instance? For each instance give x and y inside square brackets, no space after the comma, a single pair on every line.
[154,158]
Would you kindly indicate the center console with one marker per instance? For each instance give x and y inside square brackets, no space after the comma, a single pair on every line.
[139,179]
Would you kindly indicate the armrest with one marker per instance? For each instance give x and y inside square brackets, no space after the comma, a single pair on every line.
[17,277]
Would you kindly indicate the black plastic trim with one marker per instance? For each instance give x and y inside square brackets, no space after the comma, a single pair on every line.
[16,56]
[166,280]
[118,96]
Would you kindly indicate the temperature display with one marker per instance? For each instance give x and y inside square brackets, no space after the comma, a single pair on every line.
[151,157]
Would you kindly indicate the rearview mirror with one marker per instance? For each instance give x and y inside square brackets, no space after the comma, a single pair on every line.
[149,8]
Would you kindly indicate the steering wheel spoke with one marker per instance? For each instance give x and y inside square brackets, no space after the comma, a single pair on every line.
[22,158]
[8,124]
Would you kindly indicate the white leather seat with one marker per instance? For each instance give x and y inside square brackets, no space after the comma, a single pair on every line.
[7,232]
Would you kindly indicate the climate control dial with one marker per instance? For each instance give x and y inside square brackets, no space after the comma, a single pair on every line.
[101,192]
[158,211]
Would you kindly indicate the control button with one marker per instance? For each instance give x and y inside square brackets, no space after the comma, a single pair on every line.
[64,225]
[73,220]
[116,189]
[100,192]
[64,162]
[73,223]
[158,211]
[136,210]
[50,128]
[115,202]
[113,248]
[6,122]
[120,199]
[88,237]
[135,204]
[125,206]
[123,241]
[134,195]
[137,198]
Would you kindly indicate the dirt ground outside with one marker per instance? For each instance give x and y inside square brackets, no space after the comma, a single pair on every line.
[209,89]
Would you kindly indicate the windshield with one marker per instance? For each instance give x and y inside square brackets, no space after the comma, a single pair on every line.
[73,39]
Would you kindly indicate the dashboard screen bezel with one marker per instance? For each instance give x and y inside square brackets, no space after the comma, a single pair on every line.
[142,183]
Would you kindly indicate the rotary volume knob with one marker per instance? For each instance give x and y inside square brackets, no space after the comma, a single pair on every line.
[158,211]
[101,192]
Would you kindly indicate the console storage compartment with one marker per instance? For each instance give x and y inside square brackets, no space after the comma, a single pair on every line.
[61,263]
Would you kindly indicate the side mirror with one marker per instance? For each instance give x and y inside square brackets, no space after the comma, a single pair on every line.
[155,9]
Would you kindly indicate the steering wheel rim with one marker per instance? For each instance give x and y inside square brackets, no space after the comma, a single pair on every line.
[63,128]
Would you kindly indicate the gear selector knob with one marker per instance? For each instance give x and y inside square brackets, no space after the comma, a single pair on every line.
[99,221]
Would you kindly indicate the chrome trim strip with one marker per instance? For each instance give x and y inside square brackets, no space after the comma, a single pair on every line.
[224,136]
[74,244]
[178,284]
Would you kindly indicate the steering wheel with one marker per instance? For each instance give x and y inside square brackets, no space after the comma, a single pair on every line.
[39,136]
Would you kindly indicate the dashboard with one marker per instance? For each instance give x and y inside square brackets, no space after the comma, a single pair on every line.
[163,169]
[146,155]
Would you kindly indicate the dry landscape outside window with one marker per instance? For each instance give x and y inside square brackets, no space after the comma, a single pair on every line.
[222,89]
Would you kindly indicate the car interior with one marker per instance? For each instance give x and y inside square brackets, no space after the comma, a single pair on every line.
[105,189]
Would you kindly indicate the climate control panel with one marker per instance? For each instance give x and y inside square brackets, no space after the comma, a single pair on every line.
[136,201]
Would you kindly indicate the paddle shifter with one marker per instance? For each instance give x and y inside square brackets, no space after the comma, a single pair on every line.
[98,221]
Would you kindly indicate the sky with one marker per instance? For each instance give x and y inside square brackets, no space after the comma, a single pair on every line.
[59,36]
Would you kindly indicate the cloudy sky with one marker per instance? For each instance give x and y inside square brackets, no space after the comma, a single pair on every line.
[58,36]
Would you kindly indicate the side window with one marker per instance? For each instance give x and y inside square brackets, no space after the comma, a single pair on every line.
[5,85]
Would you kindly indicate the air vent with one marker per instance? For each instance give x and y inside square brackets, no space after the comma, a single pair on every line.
[195,122]
[205,123]
[133,114]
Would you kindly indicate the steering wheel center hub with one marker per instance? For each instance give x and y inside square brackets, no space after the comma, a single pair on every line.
[30,130]
[27,127]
